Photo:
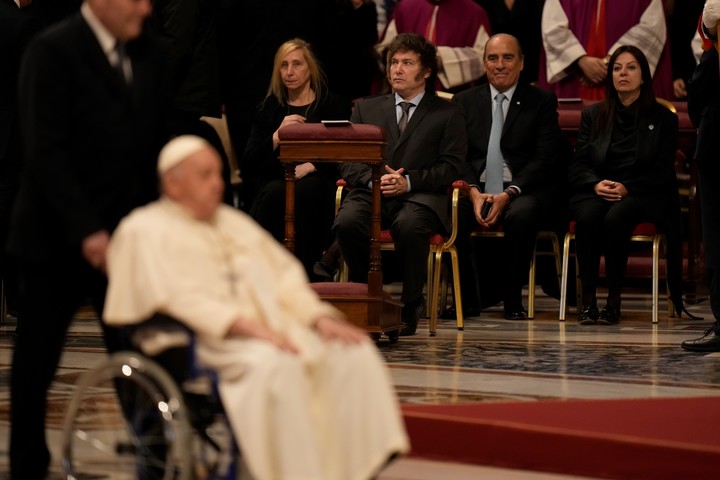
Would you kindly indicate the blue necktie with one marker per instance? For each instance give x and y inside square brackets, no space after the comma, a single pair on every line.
[494,162]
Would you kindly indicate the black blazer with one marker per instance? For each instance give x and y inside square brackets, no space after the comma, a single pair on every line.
[431,149]
[530,140]
[91,142]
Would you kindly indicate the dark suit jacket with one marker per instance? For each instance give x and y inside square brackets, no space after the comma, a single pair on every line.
[91,143]
[704,106]
[431,149]
[530,140]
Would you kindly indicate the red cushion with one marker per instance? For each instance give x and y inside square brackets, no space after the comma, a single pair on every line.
[319,131]
[435,238]
[645,229]
[339,288]
[640,229]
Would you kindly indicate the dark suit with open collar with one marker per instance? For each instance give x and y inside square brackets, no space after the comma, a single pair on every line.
[530,143]
[91,145]
[431,150]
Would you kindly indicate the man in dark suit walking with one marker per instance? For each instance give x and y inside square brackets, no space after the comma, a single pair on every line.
[426,146]
[514,139]
[704,110]
[90,96]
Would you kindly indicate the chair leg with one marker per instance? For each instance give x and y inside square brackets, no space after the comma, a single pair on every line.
[435,269]
[564,275]
[456,288]
[655,278]
[531,283]
[3,304]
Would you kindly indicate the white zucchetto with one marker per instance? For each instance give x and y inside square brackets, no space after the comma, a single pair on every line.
[177,150]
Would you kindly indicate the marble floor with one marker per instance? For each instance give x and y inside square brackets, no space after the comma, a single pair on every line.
[492,360]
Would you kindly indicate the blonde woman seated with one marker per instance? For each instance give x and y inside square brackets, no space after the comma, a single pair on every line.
[297,94]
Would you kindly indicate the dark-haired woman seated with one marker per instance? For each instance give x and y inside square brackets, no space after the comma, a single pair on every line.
[623,174]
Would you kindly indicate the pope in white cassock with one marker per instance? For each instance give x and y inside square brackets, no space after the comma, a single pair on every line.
[307,394]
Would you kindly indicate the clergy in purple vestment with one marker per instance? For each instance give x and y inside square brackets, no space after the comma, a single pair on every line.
[580,35]
[459,29]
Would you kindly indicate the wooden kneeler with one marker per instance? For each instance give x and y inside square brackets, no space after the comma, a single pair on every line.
[365,305]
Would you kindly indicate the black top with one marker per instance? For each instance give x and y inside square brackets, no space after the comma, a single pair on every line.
[623,143]
[259,164]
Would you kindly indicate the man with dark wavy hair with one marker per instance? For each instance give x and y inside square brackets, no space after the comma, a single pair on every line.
[426,145]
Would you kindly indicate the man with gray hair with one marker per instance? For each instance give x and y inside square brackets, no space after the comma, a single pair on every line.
[90,107]
[290,368]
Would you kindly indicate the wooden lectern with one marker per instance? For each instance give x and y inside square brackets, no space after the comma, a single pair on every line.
[365,305]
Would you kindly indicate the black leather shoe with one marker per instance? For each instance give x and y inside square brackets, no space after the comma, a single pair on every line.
[410,316]
[451,313]
[588,315]
[710,342]
[609,316]
[515,315]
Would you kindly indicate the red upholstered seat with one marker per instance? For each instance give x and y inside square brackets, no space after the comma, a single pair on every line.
[647,229]
[643,232]
[435,238]
[319,131]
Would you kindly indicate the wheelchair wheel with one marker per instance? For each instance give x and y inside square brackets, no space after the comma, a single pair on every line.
[127,420]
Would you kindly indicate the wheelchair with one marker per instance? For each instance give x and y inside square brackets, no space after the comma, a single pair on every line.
[137,417]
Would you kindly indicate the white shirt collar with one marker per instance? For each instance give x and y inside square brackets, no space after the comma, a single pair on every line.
[415,100]
[106,39]
[508,93]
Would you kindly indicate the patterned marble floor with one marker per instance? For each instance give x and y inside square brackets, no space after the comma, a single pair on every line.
[492,360]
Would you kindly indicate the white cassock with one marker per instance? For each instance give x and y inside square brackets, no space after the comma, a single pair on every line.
[328,413]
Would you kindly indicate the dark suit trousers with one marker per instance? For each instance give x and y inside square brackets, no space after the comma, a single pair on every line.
[411,225]
[506,259]
[709,174]
[50,294]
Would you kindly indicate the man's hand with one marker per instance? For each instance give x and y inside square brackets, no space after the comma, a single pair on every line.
[611,191]
[250,329]
[94,249]
[594,69]
[393,183]
[330,329]
[679,88]
[497,204]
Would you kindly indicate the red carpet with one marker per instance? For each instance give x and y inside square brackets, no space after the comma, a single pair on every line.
[622,439]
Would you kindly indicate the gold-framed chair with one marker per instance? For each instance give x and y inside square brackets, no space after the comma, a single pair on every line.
[548,235]
[643,233]
[439,245]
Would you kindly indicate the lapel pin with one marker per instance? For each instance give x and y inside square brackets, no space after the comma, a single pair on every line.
[651,126]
